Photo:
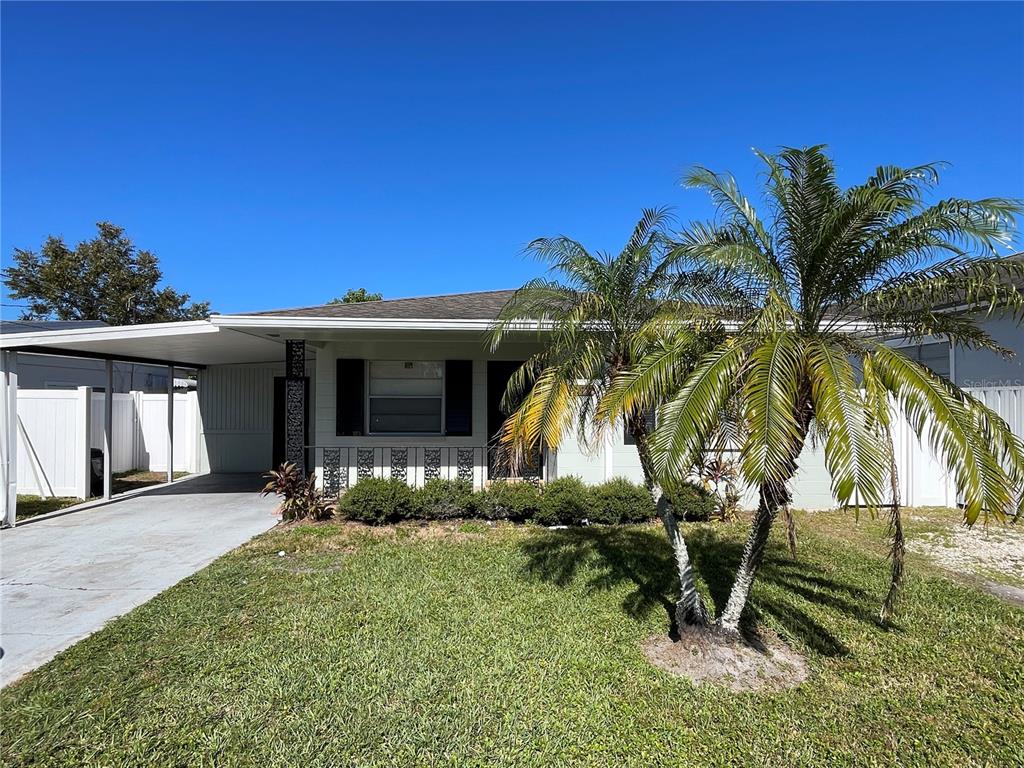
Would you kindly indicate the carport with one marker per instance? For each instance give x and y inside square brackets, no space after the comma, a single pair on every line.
[191,345]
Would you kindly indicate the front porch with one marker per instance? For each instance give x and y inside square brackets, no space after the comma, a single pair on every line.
[339,467]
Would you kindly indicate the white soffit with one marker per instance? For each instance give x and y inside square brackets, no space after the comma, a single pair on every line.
[198,342]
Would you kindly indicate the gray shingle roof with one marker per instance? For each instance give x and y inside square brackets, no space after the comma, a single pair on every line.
[480,305]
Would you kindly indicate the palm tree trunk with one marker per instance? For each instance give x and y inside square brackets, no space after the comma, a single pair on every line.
[690,609]
[773,497]
[898,550]
[790,530]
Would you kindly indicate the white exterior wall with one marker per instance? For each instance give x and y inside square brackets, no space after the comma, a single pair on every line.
[236,411]
[425,348]
[981,368]
[56,372]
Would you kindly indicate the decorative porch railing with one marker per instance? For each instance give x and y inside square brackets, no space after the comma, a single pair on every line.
[342,466]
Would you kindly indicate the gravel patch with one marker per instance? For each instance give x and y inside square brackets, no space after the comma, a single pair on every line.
[976,550]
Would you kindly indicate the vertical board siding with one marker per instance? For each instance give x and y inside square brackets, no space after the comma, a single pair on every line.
[236,414]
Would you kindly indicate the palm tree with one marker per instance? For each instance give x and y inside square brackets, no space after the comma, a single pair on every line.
[595,313]
[820,286]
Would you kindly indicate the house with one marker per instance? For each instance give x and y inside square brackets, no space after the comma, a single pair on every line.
[50,372]
[404,388]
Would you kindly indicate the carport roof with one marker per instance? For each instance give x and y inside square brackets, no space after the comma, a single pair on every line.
[259,337]
[195,343]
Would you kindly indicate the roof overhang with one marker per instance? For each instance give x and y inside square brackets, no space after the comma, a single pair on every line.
[225,340]
[362,323]
[190,344]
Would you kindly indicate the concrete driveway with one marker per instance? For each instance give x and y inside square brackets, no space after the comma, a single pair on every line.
[63,578]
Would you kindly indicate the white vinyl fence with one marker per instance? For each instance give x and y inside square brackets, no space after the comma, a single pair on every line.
[57,429]
[923,481]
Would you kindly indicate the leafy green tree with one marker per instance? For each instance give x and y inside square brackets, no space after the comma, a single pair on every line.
[596,310]
[356,295]
[819,287]
[106,278]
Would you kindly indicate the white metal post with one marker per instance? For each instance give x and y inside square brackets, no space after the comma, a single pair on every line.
[9,444]
[108,433]
[83,432]
[170,423]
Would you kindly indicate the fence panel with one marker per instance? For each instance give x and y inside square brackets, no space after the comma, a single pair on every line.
[152,409]
[52,428]
[124,429]
[57,428]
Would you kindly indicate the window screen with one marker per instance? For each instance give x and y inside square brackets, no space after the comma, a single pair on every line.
[405,397]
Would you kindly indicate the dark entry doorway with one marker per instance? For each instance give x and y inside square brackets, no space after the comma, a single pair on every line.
[280,427]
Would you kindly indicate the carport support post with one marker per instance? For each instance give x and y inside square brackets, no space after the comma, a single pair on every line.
[295,403]
[108,432]
[9,457]
[170,423]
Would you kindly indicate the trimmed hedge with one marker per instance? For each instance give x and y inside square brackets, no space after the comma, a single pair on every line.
[693,502]
[441,499]
[377,500]
[564,501]
[620,501]
[509,501]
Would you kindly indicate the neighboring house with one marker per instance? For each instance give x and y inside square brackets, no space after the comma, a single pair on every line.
[48,372]
[404,388]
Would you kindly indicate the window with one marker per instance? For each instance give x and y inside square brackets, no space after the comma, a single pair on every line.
[627,435]
[405,397]
[934,356]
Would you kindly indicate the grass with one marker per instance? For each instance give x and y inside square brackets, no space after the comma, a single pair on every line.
[31,506]
[136,478]
[471,645]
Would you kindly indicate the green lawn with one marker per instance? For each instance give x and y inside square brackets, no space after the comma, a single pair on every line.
[31,506]
[465,645]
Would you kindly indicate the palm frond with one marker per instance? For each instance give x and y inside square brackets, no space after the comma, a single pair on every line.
[771,401]
[851,448]
[940,416]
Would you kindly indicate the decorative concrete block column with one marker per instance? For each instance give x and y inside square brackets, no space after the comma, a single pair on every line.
[295,403]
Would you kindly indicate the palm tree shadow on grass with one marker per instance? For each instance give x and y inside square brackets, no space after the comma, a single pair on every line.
[610,557]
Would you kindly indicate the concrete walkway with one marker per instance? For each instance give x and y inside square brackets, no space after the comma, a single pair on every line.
[63,578]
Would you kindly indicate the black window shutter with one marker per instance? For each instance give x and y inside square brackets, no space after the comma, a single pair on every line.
[348,387]
[458,397]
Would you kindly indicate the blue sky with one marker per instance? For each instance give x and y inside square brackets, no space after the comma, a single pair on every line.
[277,155]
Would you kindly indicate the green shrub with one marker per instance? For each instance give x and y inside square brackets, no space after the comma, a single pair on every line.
[300,498]
[377,500]
[509,501]
[692,502]
[441,499]
[565,501]
[620,501]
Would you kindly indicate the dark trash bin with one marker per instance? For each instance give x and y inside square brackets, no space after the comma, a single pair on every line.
[96,472]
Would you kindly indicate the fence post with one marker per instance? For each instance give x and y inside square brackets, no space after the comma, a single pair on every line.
[137,434]
[108,432]
[192,429]
[82,433]
[170,423]
[9,408]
